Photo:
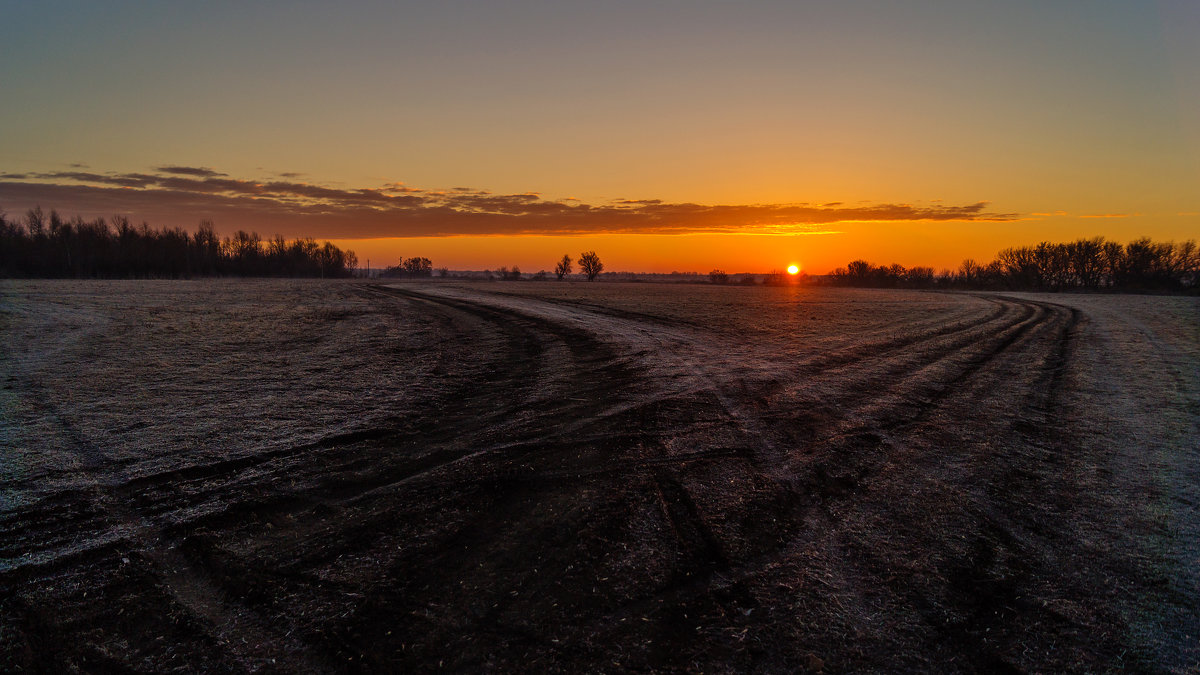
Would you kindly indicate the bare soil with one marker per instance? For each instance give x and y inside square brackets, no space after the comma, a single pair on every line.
[335,476]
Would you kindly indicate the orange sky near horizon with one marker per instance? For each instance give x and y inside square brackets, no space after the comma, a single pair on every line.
[664,136]
[941,245]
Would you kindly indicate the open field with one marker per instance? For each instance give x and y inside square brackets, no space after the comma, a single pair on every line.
[328,475]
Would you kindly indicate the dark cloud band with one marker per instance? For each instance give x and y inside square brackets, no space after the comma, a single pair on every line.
[175,195]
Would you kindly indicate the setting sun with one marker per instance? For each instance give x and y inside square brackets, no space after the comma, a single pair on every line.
[793,269]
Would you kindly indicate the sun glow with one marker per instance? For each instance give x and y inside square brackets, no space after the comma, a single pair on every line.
[793,269]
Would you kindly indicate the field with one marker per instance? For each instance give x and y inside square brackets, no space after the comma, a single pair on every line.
[330,475]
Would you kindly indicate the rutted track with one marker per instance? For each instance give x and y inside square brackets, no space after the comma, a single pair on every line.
[592,487]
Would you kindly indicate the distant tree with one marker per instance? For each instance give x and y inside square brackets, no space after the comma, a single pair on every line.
[992,275]
[277,250]
[920,277]
[718,277]
[968,271]
[1019,268]
[52,246]
[514,274]
[858,273]
[1087,261]
[410,268]
[778,278]
[1091,264]
[1187,263]
[418,267]
[540,276]
[35,222]
[1055,263]
[590,265]
[563,268]
[1113,256]
[245,248]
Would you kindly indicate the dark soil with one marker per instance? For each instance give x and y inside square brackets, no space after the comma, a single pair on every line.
[585,487]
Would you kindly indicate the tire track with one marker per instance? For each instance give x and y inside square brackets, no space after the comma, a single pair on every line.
[228,622]
[576,411]
[581,347]
[829,483]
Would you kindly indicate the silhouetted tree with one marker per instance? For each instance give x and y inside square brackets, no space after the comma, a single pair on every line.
[35,222]
[1086,261]
[1087,264]
[718,277]
[408,268]
[1019,267]
[53,247]
[418,267]
[563,268]
[859,272]
[590,265]
[778,278]
[919,277]
[968,272]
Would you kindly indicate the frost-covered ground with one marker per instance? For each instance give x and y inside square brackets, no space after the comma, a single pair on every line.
[328,475]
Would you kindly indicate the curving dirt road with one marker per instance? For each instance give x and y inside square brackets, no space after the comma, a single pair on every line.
[547,477]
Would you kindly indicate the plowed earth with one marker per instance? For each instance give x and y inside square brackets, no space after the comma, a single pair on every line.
[336,476]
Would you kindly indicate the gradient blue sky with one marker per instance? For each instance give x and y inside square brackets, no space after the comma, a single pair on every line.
[1051,113]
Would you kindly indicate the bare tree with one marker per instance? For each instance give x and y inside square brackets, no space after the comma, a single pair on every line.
[35,222]
[718,277]
[1085,258]
[563,268]
[920,277]
[858,272]
[419,267]
[968,272]
[589,264]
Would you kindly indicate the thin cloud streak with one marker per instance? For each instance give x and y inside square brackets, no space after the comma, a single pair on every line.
[200,171]
[172,194]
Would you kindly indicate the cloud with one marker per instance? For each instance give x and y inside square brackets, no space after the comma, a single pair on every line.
[202,172]
[175,195]
[1104,215]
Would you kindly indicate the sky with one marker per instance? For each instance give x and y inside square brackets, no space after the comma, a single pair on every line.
[666,136]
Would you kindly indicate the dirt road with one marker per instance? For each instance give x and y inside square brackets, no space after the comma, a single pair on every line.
[555,477]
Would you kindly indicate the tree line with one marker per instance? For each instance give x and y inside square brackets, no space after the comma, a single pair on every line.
[1084,264]
[417,267]
[589,262]
[48,246]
